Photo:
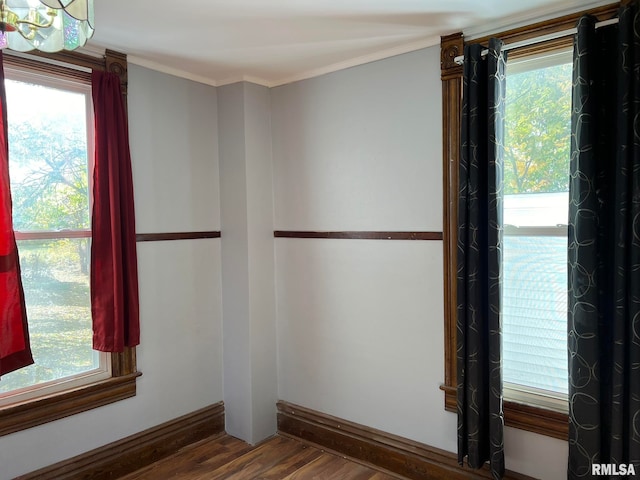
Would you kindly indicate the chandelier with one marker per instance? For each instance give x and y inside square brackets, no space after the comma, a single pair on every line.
[45,25]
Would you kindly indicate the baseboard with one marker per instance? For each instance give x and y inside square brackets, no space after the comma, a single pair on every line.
[128,455]
[398,455]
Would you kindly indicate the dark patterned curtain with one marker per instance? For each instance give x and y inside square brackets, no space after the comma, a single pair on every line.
[604,247]
[479,324]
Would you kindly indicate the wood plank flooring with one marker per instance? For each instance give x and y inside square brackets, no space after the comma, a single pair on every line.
[278,458]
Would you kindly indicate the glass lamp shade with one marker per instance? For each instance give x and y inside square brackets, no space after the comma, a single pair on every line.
[62,24]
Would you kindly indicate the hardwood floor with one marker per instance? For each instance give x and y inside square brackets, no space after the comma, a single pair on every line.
[278,458]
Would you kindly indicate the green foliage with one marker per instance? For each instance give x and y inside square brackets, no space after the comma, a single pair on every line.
[538,130]
[59,311]
[48,166]
[49,187]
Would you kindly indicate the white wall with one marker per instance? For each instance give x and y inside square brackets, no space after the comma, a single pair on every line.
[250,369]
[235,264]
[173,128]
[261,260]
[360,323]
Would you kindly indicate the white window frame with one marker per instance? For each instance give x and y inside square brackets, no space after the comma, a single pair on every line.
[104,371]
[548,35]
[517,393]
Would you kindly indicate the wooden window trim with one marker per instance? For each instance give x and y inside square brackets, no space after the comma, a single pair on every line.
[122,384]
[525,417]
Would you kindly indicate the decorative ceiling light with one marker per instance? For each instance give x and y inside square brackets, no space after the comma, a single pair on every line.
[45,25]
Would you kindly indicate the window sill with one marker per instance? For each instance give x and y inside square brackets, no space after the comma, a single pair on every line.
[525,417]
[21,416]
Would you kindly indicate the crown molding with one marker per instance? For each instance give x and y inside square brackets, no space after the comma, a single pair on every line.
[526,18]
[304,75]
[361,60]
[470,33]
[245,78]
[159,67]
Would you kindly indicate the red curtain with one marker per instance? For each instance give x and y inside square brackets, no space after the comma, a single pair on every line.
[15,350]
[114,266]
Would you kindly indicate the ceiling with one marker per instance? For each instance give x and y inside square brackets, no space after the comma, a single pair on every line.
[273,42]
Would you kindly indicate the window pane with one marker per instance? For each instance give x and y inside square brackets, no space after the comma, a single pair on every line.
[55,274]
[538,130]
[48,157]
[537,149]
[535,312]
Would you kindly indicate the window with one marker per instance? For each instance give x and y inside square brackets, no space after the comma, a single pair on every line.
[50,171]
[536,201]
[555,37]
[50,127]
